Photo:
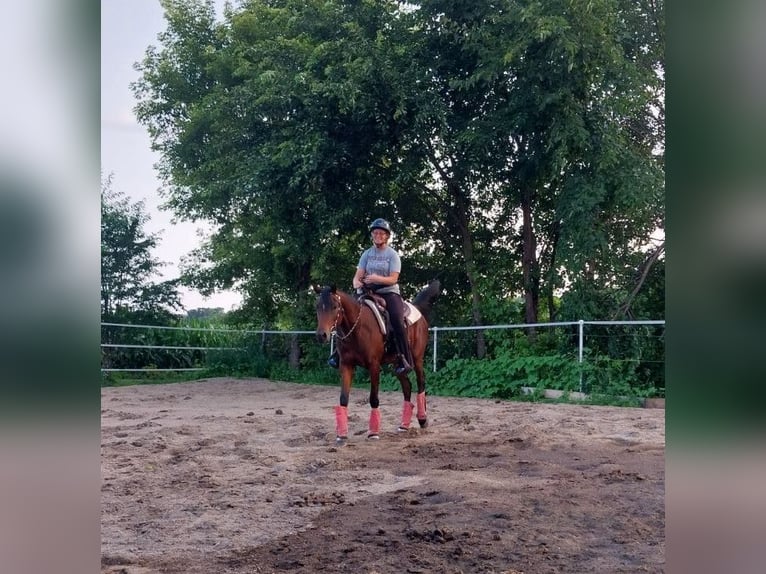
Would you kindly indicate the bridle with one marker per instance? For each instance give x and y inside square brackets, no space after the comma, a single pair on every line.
[334,328]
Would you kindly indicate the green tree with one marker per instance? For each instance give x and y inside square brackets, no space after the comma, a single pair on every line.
[516,147]
[567,106]
[127,264]
[267,130]
[534,132]
[204,313]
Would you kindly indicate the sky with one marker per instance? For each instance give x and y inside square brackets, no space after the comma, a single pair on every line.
[128,27]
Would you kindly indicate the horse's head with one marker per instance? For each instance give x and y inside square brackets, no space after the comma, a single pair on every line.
[328,311]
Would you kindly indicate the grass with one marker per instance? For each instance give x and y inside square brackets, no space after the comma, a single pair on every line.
[148,378]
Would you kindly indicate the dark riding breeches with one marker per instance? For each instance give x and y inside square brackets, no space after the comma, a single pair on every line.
[395,307]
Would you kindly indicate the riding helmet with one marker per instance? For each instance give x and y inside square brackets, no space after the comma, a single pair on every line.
[380,223]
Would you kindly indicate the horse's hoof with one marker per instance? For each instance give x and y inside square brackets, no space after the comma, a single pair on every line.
[423,423]
[341,440]
[373,436]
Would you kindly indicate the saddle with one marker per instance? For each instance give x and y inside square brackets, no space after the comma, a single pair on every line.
[377,305]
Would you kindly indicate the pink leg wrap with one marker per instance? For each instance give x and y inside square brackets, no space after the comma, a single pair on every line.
[374,421]
[421,402]
[406,415]
[341,421]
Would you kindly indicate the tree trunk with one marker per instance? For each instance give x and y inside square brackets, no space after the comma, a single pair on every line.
[555,235]
[461,216]
[624,308]
[529,269]
[458,211]
[294,358]
[301,288]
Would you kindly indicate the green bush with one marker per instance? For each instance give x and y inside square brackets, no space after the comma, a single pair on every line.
[605,379]
[504,376]
[619,367]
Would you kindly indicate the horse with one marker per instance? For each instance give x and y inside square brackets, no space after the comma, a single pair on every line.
[361,343]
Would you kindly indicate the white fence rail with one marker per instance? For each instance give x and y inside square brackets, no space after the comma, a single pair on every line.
[580,324]
[436,331]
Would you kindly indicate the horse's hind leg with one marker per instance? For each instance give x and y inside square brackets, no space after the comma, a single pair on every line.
[407,406]
[374,428]
[420,400]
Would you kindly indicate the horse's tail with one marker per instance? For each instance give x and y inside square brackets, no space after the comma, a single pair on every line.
[424,300]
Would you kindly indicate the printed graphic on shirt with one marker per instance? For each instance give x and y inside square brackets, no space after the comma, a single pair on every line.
[380,264]
[383,263]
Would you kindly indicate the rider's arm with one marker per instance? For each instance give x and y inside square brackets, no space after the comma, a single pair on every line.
[357,280]
[381,279]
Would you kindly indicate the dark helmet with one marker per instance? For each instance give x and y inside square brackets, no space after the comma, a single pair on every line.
[380,223]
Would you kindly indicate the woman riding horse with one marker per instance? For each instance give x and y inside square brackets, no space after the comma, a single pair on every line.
[361,343]
[378,270]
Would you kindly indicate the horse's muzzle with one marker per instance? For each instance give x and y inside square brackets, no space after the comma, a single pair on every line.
[323,336]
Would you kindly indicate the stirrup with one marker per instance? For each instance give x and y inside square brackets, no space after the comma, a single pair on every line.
[403,368]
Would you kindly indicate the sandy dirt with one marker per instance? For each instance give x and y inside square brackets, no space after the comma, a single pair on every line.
[242,476]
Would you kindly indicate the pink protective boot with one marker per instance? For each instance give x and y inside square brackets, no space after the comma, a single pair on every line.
[341,422]
[374,423]
[422,413]
[406,416]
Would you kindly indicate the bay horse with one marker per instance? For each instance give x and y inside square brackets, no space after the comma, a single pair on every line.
[361,343]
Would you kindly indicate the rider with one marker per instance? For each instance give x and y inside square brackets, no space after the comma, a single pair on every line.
[378,270]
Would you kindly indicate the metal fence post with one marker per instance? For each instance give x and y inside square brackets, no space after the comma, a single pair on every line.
[436,344]
[581,323]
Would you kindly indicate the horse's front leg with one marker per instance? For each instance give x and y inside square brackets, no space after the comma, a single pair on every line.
[374,432]
[341,411]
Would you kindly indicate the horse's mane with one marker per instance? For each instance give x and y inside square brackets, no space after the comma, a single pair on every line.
[332,289]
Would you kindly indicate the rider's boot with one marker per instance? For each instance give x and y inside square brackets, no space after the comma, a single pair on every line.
[404,366]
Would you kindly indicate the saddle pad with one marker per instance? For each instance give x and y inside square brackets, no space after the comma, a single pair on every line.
[374,308]
[411,314]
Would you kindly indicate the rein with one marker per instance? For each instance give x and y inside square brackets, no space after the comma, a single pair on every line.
[337,317]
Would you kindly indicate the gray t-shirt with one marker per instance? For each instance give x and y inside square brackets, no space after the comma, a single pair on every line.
[381,262]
